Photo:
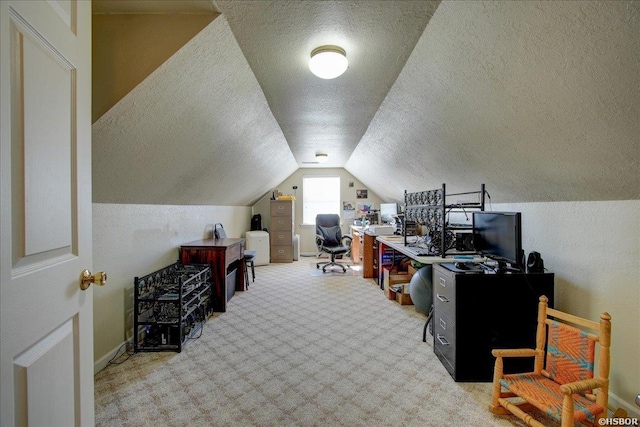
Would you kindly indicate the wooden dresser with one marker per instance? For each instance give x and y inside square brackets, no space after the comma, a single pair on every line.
[281,230]
[226,258]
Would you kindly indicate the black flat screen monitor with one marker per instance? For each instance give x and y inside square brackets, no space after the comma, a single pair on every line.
[388,211]
[498,235]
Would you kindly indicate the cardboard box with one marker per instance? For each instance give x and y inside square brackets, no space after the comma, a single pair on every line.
[389,294]
[400,293]
[412,270]
[392,278]
[404,298]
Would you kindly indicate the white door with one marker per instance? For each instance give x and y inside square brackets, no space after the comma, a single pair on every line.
[46,321]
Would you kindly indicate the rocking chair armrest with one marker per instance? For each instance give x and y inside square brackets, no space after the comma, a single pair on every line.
[514,352]
[583,385]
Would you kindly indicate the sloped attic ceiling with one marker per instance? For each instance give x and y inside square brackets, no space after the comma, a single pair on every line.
[539,100]
[198,130]
[316,115]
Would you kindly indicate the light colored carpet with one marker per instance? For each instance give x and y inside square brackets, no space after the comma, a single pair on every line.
[297,350]
[352,270]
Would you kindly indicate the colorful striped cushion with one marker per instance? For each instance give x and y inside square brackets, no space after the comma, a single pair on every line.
[570,354]
[545,395]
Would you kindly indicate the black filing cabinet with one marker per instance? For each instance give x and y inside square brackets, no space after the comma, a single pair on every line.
[475,312]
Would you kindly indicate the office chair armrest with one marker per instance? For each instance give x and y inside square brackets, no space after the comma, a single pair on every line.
[349,238]
[583,385]
[514,352]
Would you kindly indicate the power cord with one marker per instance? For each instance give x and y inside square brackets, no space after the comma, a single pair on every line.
[489,197]
[195,321]
[118,354]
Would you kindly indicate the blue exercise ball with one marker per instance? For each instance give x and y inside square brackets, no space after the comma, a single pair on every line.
[421,289]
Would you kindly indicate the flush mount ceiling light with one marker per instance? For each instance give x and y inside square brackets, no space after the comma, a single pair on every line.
[328,62]
[321,157]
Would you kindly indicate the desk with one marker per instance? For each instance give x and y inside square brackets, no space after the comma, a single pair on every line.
[226,258]
[364,247]
[474,313]
[391,244]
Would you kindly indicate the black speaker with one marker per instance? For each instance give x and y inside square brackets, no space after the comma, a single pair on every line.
[535,264]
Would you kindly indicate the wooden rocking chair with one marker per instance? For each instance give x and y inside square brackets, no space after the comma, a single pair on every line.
[565,389]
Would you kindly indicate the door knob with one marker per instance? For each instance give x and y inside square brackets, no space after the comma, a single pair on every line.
[86,279]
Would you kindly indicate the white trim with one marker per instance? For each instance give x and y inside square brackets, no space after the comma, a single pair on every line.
[616,402]
[103,362]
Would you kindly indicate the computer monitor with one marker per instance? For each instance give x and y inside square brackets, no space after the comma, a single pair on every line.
[498,235]
[388,211]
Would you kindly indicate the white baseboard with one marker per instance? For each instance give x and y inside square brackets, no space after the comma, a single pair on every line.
[616,402]
[102,363]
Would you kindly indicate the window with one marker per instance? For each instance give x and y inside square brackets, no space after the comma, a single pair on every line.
[320,194]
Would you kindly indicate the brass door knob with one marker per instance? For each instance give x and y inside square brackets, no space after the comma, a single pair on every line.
[86,279]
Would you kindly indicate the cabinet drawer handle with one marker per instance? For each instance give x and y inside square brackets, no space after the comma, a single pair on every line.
[443,282]
[442,298]
[442,340]
[443,324]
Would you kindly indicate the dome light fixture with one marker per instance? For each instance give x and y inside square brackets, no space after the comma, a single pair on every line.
[322,157]
[328,62]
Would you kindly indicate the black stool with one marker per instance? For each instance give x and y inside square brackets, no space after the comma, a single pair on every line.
[249,257]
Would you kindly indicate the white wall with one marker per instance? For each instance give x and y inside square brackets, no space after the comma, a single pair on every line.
[592,247]
[134,240]
[307,232]
[594,250]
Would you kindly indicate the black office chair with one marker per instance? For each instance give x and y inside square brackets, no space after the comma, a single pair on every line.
[330,239]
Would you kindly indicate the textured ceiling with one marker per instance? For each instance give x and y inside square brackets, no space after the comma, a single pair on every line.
[198,130]
[317,115]
[539,100]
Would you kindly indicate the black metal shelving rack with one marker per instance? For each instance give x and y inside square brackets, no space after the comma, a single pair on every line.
[434,209]
[171,306]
